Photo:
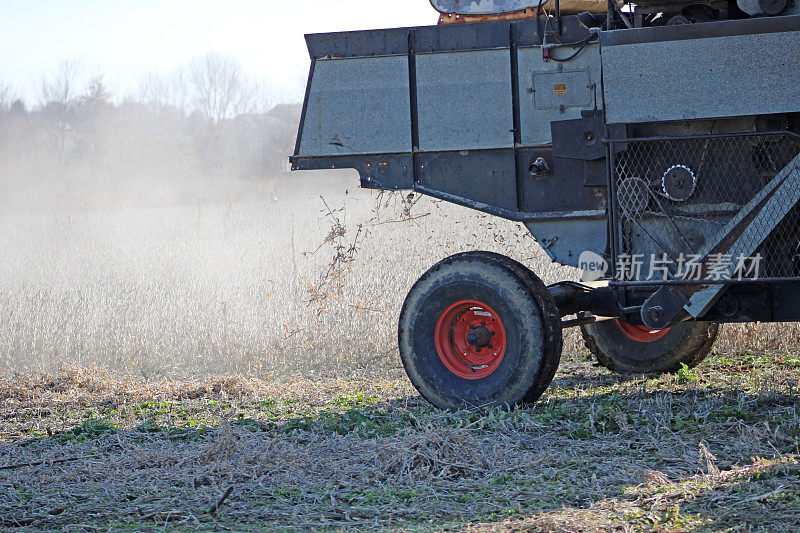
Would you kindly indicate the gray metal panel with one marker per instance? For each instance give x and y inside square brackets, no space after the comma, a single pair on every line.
[358,106]
[464,100]
[565,241]
[486,177]
[537,76]
[702,78]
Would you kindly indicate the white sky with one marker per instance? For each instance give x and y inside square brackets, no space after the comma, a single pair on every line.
[124,39]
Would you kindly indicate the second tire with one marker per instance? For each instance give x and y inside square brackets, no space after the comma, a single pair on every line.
[632,349]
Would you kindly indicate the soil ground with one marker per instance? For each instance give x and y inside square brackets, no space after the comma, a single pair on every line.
[715,448]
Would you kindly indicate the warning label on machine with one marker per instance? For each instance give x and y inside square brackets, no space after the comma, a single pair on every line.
[560,88]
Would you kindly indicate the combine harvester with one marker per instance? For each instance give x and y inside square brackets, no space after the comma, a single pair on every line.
[654,146]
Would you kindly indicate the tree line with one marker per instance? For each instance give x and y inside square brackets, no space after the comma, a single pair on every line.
[208,117]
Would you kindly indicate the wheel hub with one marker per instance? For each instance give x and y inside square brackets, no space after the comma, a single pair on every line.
[470,339]
[479,337]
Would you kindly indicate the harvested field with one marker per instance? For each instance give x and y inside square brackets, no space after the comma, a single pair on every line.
[115,319]
[709,449]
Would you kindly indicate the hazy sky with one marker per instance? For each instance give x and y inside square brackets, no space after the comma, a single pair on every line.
[123,39]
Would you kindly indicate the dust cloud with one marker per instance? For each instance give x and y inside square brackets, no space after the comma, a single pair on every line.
[141,237]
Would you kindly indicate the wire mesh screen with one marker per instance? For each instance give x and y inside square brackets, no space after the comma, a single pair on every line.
[716,207]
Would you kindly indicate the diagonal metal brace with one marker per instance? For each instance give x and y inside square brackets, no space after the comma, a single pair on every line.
[740,237]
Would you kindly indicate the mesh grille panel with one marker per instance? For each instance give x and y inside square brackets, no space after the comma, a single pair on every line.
[675,197]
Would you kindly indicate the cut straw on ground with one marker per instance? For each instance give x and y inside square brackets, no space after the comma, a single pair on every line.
[709,449]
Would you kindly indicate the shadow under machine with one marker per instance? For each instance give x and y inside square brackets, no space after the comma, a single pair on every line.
[655,146]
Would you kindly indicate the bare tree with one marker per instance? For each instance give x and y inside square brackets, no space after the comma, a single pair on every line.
[161,92]
[262,97]
[59,91]
[6,101]
[153,90]
[96,93]
[92,112]
[6,97]
[218,87]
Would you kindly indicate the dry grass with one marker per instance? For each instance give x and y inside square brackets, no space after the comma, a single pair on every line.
[223,287]
[712,449]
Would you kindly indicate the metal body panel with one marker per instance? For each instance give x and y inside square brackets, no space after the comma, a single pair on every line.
[565,240]
[708,30]
[442,38]
[564,188]
[579,138]
[380,171]
[485,176]
[690,76]
[562,90]
[464,100]
[464,113]
[358,106]
[540,104]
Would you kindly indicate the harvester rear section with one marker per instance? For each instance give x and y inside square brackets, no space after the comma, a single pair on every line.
[662,159]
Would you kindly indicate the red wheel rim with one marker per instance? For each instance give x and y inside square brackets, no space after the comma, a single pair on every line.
[465,321]
[641,333]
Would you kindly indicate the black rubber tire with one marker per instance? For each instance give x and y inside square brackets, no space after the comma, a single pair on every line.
[532,325]
[553,324]
[686,343]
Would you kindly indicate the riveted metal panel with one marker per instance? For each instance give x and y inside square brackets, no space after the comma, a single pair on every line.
[448,38]
[540,104]
[358,106]
[487,177]
[686,79]
[464,100]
